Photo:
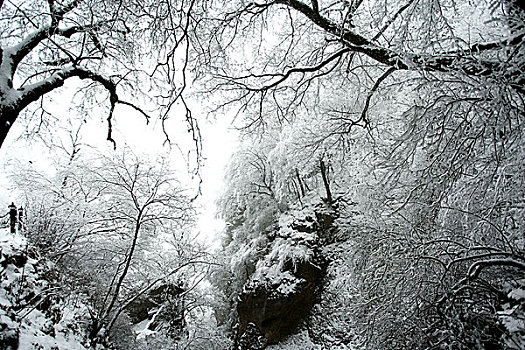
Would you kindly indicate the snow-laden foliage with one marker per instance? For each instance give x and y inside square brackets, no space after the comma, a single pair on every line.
[287,250]
[383,148]
[512,315]
[36,311]
[407,119]
[428,233]
[118,229]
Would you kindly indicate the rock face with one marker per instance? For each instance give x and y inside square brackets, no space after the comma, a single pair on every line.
[32,314]
[273,314]
[283,289]
[9,332]
[163,307]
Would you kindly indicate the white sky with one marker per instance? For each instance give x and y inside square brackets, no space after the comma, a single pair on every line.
[130,129]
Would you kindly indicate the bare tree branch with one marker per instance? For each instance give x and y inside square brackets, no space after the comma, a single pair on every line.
[372,91]
[392,20]
[358,43]
[21,50]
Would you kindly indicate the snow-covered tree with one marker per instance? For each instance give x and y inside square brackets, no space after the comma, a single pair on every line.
[416,110]
[117,229]
[128,54]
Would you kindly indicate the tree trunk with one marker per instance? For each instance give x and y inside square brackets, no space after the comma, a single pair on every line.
[326,183]
[8,117]
[121,279]
[300,182]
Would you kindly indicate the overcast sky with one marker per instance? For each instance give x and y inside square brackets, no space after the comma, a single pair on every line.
[219,140]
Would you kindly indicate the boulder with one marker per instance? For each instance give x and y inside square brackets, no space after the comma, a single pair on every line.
[163,306]
[274,314]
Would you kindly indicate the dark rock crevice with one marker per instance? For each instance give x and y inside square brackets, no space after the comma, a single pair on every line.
[277,316]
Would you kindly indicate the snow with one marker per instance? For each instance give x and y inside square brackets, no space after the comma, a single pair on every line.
[512,316]
[141,329]
[294,244]
[8,240]
[517,294]
[302,340]
[36,329]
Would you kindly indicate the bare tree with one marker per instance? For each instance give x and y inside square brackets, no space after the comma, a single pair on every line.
[298,49]
[118,227]
[130,53]
[145,200]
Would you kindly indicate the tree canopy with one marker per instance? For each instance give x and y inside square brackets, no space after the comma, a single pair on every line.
[406,119]
[132,54]
[381,162]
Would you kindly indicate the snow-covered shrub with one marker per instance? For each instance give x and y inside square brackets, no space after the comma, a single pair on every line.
[36,311]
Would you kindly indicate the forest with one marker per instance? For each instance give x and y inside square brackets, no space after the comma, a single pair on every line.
[369,192]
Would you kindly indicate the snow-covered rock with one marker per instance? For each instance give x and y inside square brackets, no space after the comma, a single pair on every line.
[282,290]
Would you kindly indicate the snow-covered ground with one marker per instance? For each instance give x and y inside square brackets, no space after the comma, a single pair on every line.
[32,313]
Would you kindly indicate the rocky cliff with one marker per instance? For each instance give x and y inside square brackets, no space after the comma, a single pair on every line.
[285,285]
